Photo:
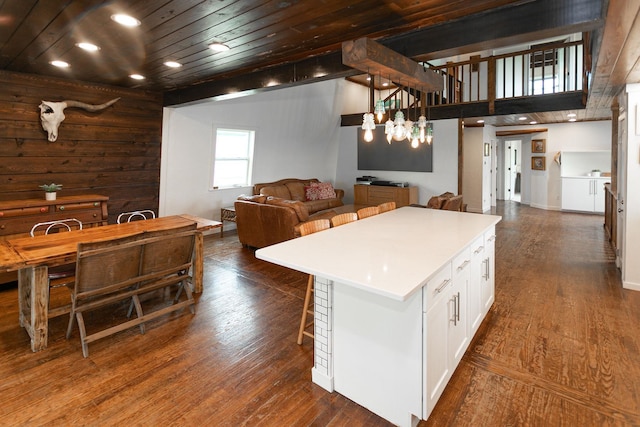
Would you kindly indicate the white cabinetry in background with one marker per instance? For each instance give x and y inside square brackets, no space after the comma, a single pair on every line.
[585,194]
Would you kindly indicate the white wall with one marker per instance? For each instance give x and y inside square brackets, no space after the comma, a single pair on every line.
[631,208]
[445,163]
[296,136]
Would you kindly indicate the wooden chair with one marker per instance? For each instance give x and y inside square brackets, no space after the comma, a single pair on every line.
[387,206]
[343,218]
[306,229]
[368,211]
[61,276]
[55,226]
[110,271]
[135,216]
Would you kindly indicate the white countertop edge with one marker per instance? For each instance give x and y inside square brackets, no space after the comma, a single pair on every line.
[335,279]
[405,293]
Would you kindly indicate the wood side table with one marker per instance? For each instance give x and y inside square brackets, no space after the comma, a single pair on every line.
[227,214]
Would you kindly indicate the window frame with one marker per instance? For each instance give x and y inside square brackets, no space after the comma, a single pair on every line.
[250,156]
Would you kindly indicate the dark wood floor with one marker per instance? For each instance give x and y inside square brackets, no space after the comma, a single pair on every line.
[560,346]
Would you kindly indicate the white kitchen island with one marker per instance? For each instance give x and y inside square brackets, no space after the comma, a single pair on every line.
[398,297]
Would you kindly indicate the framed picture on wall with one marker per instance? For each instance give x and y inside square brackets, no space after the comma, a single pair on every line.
[538,145]
[538,163]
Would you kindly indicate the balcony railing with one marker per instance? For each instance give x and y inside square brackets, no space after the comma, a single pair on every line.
[551,69]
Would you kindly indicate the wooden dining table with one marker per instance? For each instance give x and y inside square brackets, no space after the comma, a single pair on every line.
[33,256]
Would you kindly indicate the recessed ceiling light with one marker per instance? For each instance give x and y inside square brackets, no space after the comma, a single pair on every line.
[522,118]
[137,76]
[480,121]
[385,84]
[572,119]
[126,20]
[59,64]
[533,122]
[89,47]
[218,47]
[173,64]
[571,115]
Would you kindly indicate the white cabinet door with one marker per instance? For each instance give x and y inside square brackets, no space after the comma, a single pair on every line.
[458,335]
[436,354]
[488,276]
[577,194]
[436,324]
[474,301]
[598,194]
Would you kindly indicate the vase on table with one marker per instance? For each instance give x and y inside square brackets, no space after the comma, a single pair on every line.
[50,195]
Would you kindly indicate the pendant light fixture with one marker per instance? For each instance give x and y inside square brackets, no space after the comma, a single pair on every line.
[379,110]
[399,131]
[388,126]
[408,124]
[429,129]
[368,125]
[415,131]
[422,120]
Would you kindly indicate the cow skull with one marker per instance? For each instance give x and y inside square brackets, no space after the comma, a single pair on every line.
[52,113]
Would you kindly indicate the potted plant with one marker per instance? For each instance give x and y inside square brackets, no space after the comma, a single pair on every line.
[50,190]
[595,172]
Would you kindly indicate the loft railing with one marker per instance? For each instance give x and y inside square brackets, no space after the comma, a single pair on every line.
[549,69]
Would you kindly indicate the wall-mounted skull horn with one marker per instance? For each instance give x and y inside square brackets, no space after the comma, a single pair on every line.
[52,113]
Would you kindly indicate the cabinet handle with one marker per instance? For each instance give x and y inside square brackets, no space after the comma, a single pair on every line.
[485,276]
[477,251]
[455,310]
[458,307]
[492,238]
[442,286]
[463,265]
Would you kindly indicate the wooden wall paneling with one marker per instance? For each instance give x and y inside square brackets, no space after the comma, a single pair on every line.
[115,152]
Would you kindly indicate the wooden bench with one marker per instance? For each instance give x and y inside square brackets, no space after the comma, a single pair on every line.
[119,269]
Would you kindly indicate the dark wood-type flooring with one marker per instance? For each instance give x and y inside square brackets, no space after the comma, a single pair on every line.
[560,346]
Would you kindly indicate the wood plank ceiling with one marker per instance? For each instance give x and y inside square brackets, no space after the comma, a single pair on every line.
[285,41]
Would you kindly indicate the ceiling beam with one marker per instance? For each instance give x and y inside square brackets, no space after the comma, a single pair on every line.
[373,58]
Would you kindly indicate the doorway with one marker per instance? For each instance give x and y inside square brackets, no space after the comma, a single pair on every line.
[510,184]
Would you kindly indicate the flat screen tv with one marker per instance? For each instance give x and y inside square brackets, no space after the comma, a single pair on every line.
[397,156]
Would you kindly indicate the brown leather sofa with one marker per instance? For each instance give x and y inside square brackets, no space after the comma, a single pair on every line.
[274,216]
[294,189]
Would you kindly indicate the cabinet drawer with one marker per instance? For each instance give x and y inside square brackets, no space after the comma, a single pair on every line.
[381,195]
[32,210]
[383,192]
[477,247]
[86,217]
[434,289]
[490,236]
[461,261]
[77,206]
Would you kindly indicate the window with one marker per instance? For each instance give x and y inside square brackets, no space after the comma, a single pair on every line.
[233,158]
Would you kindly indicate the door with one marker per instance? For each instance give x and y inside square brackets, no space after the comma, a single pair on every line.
[622,183]
[512,170]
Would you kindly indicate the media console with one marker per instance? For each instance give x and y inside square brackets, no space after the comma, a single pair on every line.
[376,194]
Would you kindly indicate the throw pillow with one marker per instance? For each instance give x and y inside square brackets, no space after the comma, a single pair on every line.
[325,190]
[311,192]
